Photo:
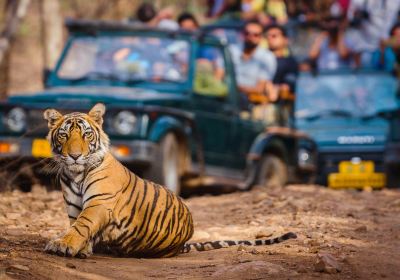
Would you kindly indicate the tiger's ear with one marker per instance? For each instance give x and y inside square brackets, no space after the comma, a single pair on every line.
[97,112]
[52,116]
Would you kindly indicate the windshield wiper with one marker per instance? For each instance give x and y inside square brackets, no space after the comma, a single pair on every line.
[329,112]
[379,114]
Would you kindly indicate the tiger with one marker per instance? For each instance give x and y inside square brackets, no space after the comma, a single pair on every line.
[110,208]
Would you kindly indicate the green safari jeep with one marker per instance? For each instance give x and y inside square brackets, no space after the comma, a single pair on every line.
[174,114]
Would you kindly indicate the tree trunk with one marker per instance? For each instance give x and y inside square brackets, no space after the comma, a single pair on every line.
[15,10]
[4,71]
[52,32]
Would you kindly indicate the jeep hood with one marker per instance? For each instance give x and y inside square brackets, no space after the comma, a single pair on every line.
[347,134]
[82,97]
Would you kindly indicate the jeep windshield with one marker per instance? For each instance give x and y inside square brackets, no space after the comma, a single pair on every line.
[345,95]
[128,59]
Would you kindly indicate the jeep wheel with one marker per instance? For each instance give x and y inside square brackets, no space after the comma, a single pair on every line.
[272,172]
[165,170]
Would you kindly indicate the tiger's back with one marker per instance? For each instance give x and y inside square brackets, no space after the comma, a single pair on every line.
[148,220]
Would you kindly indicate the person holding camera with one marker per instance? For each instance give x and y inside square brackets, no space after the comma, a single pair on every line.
[370,21]
[331,49]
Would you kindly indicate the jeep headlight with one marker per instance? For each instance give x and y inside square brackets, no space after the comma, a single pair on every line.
[15,120]
[305,158]
[125,123]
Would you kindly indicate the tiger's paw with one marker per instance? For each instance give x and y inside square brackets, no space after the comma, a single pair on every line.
[61,248]
[85,252]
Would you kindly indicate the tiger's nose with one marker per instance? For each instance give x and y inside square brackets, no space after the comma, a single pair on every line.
[75,156]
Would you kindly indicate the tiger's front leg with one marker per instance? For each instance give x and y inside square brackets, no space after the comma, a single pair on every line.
[78,239]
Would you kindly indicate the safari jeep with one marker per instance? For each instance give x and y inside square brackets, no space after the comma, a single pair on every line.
[352,116]
[174,114]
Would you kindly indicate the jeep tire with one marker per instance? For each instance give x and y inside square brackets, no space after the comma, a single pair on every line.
[165,169]
[272,172]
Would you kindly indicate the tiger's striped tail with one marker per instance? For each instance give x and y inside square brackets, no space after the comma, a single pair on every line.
[213,245]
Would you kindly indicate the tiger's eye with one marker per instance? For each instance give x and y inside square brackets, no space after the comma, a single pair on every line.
[88,134]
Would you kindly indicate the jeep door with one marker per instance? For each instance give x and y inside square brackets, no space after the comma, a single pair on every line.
[211,103]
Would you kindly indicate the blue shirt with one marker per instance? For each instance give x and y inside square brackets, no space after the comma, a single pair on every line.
[261,66]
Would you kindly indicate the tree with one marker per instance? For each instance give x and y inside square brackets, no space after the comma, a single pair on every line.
[15,10]
[52,31]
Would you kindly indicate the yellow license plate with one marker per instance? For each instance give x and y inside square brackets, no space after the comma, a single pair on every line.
[357,175]
[41,148]
[360,167]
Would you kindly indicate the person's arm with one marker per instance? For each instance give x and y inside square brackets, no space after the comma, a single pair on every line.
[316,46]
[254,91]
[343,50]
[272,91]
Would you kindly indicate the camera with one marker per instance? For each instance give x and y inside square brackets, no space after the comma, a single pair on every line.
[360,16]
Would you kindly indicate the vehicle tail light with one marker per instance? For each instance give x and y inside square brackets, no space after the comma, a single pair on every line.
[121,151]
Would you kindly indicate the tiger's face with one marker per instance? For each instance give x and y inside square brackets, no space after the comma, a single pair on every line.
[77,139]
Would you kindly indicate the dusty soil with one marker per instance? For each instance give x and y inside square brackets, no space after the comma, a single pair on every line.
[344,234]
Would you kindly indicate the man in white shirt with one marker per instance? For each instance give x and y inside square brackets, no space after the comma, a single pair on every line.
[255,68]
[373,19]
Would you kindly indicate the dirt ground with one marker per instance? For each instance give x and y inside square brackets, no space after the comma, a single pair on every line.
[341,235]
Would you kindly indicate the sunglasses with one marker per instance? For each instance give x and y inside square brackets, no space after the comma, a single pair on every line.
[273,35]
[253,34]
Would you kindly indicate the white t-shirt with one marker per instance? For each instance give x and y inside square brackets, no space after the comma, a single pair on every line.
[382,16]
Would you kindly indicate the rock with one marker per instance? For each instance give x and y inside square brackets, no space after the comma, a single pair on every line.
[4,250]
[264,233]
[20,267]
[334,244]
[313,250]
[260,196]
[201,235]
[15,232]
[395,203]
[344,259]
[241,248]
[254,252]
[313,242]
[309,235]
[13,216]
[326,263]
[254,223]
[351,215]
[302,269]
[70,265]
[361,229]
